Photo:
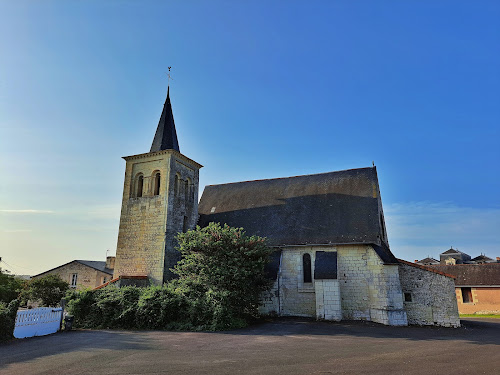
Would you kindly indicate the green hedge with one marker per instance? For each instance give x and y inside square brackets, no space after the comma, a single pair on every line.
[220,279]
[8,319]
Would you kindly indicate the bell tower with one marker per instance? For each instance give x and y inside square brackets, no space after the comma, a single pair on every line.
[160,199]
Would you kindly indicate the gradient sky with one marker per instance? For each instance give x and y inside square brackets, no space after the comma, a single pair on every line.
[260,89]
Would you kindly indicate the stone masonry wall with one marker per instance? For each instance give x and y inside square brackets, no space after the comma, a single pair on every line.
[296,297]
[149,224]
[433,300]
[366,289]
[369,289]
[141,236]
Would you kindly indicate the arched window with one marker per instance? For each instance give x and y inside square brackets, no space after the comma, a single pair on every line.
[156,184]
[176,184]
[306,265]
[140,184]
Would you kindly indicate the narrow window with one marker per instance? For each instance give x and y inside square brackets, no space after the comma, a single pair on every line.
[157,184]
[186,187]
[74,280]
[306,264]
[104,280]
[407,297]
[140,184]
[185,225]
[467,295]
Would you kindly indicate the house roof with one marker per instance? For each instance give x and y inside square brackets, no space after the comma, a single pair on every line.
[473,274]
[98,265]
[428,260]
[166,135]
[452,251]
[482,258]
[341,207]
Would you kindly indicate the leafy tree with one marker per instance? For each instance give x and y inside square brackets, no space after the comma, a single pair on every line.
[48,290]
[222,274]
[10,286]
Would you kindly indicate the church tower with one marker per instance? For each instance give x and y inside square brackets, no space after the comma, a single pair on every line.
[160,199]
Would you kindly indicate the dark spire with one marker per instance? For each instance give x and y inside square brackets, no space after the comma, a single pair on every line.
[166,136]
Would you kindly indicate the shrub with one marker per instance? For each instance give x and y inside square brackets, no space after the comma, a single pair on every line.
[222,270]
[10,286]
[220,280]
[47,290]
[8,319]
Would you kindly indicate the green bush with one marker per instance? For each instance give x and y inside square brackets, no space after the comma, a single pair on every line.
[8,319]
[10,286]
[47,290]
[220,280]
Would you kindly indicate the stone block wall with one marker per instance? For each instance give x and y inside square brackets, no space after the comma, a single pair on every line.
[366,289]
[429,297]
[296,297]
[149,224]
[370,290]
[328,304]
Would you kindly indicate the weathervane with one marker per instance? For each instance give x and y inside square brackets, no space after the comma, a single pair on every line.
[168,75]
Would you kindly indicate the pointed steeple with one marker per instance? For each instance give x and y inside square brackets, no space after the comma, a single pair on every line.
[166,136]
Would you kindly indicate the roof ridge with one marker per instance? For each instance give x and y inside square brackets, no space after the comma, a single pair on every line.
[284,178]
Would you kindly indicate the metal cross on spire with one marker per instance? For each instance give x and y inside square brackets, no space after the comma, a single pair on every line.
[168,75]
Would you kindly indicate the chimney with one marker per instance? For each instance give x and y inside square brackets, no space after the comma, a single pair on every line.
[110,262]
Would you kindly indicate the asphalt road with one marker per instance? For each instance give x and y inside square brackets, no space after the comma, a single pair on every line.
[290,346]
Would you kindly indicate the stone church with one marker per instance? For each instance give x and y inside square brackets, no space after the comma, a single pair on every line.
[332,258]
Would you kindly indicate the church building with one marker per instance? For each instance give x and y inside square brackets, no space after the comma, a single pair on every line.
[332,258]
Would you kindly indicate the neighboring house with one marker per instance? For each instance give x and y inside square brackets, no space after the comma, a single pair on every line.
[83,274]
[427,261]
[483,259]
[453,256]
[477,287]
[332,258]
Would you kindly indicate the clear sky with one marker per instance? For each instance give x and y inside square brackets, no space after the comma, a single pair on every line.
[260,89]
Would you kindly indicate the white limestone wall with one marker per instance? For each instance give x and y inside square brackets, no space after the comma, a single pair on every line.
[296,297]
[369,289]
[328,305]
[366,289]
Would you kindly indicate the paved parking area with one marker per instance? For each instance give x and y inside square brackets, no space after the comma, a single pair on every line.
[288,346]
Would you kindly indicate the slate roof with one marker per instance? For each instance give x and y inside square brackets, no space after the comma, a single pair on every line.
[452,251]
[98,265]
[321,209]
[428,260]
[165,136]
[482,258]
[473,274]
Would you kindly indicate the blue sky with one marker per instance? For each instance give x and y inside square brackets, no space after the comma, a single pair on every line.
[260,89]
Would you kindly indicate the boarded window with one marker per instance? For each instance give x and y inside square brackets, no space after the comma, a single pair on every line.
[306,264]
[467,295]
[325,265]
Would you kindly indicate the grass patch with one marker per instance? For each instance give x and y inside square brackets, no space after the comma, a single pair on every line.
[480,316]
